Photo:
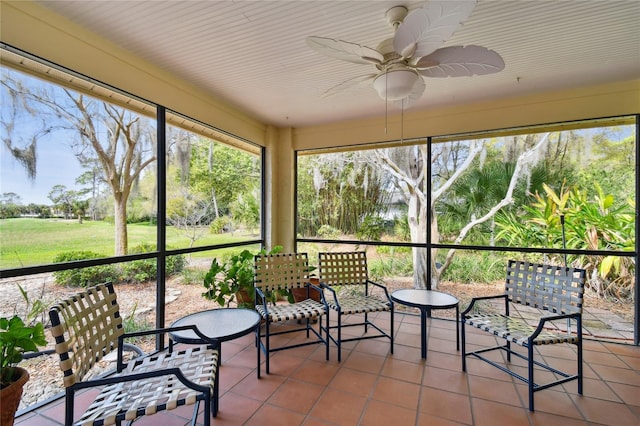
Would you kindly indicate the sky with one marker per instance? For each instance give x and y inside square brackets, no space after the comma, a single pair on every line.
[56,165]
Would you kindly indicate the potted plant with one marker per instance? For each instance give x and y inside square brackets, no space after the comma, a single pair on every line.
[300,294]
[232,280]
[15,339]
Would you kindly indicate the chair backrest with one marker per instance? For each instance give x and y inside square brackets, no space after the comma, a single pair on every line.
[343,268]
[281,271]
[86,327]
[549,287]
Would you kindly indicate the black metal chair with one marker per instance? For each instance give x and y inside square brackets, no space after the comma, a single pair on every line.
[348,272]
[88,326]
[554,289]
[282,272]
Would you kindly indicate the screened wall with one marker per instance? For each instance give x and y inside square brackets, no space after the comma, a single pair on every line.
[448,212]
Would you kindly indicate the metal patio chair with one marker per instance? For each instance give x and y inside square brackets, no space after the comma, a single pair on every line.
[282,272]
[557,293]
[88,326]
[349,271]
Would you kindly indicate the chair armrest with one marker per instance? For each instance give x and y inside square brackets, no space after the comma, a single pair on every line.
[383,287]
[174,371]
[261,299]
[477,299]
[544,320]
[332,291]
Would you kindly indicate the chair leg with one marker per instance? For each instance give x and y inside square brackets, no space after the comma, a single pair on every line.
[68,407]
[392,327]
[366,322]
[259,347]
[196,407]
[464,346]
[266,345]
[531,382]
[339,336]
[327,340]
[207,412]
[579,350]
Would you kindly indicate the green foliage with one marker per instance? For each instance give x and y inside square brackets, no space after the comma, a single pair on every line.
[225,280]
[593,222]
[246,210]
[139,271]
[328,232]
[131,323]
[224,171]
[483,267]
[371,228]
[396,263]
[220,225]
[136,271]
[401,228]
[192,275]
[82,277]
[34,308]
[338,190]
[15,339]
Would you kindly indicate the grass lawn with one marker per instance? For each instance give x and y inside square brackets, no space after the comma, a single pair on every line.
[28,241]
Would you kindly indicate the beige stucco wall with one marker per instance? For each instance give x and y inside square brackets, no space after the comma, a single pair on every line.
[606,100]
[34,29]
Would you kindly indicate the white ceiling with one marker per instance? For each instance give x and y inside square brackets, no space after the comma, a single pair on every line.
[253,53]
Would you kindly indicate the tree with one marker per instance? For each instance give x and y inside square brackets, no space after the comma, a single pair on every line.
[407,165]
[120,141]
[63,200]
[339,191]
[189,214]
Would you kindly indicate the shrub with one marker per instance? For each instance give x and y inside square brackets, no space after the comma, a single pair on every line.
[220,225]
[81,277]
[481,267]
[136,271]
[328,232]
[397,264]
[371,228]
[139,271]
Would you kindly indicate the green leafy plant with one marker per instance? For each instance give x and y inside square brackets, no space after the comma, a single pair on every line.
[15,339]
[233,279]
[81,277]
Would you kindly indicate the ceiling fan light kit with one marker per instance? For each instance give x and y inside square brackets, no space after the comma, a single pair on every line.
[414,52]
[395,84]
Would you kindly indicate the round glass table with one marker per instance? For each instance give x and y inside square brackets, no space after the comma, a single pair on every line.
[426,300]
[223,324]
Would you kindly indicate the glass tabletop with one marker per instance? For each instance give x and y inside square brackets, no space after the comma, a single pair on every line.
[222,324]
[424,298]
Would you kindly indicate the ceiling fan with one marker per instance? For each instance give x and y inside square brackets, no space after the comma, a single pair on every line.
[413,52]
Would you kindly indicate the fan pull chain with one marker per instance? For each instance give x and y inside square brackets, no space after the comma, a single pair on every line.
[402,123]
[386,102]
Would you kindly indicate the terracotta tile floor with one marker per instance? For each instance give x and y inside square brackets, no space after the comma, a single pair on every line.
[372,387]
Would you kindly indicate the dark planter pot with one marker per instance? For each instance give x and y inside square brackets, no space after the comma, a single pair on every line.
[243,298]
[10,397]
[300,294]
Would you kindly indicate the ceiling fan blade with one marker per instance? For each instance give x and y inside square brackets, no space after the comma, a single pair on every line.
[460,61]
[426,29]
[345,85]
[344,50]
